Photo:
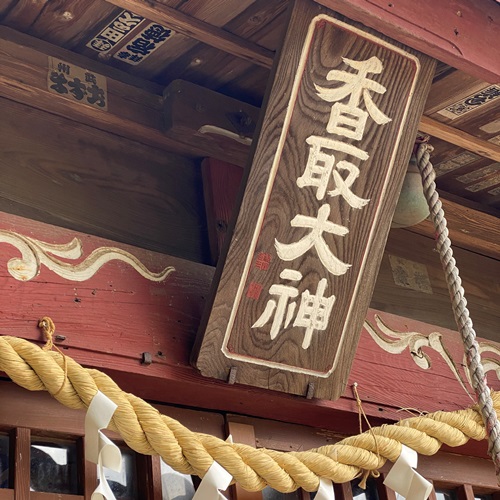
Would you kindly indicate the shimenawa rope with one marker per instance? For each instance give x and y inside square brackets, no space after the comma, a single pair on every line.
[147,431]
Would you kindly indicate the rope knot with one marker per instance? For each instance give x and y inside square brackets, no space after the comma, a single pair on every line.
[48,328]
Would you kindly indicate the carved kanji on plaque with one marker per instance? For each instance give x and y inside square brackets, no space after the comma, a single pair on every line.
[325,179]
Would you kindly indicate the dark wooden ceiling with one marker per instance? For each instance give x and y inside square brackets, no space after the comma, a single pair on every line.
[456,99]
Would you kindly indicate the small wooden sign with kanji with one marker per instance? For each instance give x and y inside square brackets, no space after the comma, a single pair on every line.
[77,84]
[325,178]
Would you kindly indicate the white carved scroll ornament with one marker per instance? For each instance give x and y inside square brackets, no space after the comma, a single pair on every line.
[395,342]
[35,253]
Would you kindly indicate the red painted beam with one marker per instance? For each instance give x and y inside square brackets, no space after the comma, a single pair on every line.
[460,33]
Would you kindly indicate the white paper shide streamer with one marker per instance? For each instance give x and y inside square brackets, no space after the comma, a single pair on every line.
[405,480]
[98,448]
[217,478]
[325,490]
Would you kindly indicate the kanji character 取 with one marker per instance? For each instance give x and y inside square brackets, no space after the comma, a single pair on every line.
[281,306]
[78,88]
[156,33]
[318,226]
[59,81]
[348,119]
[314,312]
[320,166]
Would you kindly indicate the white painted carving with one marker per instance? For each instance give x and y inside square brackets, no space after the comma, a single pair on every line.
[348,119]
[314,310]
[395,342]
[35,253]
[277,158]
[318,226]
[321,166]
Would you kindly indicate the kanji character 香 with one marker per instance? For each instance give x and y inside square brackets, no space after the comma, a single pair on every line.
[348,119]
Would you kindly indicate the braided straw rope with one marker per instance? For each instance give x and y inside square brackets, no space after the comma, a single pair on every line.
[147,431]
[459,304]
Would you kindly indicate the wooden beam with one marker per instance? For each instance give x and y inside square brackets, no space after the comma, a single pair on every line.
[135,110]
[459,138]
[469,229]
[199,30]
[453,32]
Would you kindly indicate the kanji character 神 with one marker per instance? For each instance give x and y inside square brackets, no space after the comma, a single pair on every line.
[314,312]
[63,68]
[281,306]
[348,119]
[318,226]
[321,165]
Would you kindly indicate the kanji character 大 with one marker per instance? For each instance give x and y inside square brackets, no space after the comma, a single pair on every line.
[123,54]
[318,226]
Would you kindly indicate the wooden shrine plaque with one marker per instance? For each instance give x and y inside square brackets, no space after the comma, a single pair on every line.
[325,178]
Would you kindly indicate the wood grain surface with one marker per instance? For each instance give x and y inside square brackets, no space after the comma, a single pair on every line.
[85,179]
[109,320]
[271,363]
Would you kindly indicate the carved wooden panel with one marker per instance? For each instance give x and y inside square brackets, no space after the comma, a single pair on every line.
[317,207]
